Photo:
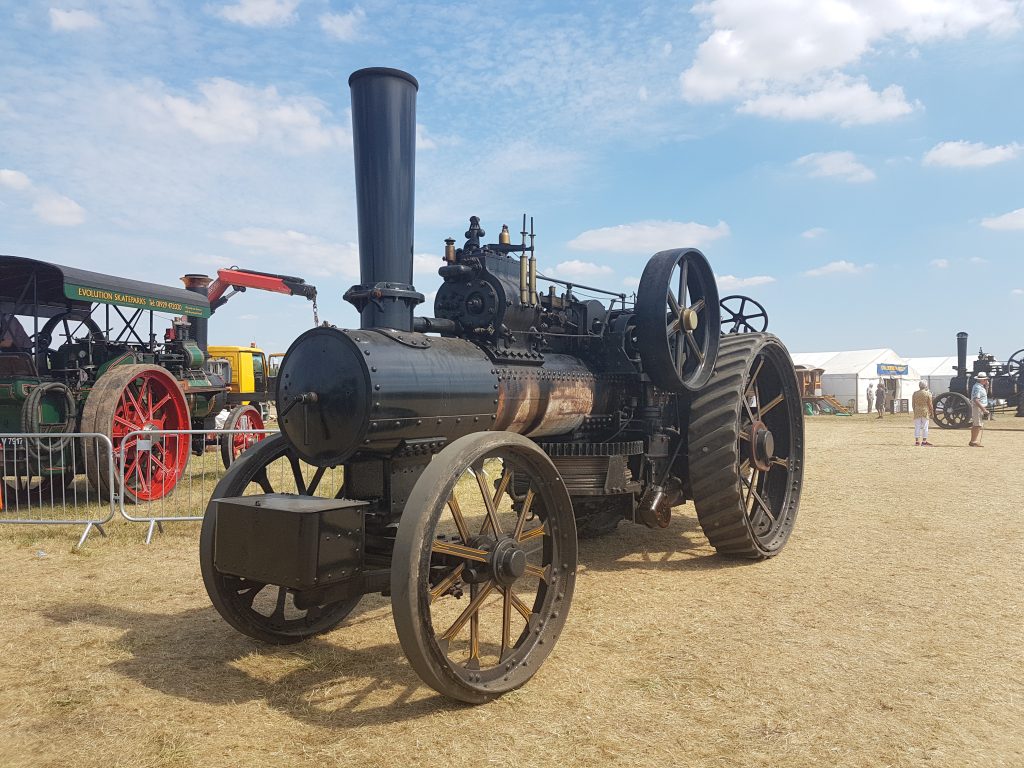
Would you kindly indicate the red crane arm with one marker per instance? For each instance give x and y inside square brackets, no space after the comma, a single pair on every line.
[240,279]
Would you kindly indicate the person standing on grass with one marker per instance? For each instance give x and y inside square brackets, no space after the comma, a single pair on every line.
[979,408]
[923,410]
[880,398]
[871,396]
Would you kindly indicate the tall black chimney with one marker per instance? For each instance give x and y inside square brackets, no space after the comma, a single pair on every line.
[384,140]
[961,353]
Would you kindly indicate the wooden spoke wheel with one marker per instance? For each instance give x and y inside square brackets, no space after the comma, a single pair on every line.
[678,319]
[746,448]
[952,411]
[126,399]
[262,611]
[741,314]
[242,417]
[481,583]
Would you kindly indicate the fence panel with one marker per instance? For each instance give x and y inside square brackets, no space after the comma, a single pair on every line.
[160,480]
[41,483]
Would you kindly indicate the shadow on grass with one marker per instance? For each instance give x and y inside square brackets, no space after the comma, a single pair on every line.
[680,547]
[324,681]
[194,655]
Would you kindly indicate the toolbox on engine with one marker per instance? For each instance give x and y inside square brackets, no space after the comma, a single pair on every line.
[292,541]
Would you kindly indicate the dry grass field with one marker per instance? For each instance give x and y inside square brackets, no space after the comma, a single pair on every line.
[888,633]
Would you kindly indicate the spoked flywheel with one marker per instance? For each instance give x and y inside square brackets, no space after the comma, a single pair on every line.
[482,578]
[268,612]
[678,319]
[742,314]
[746,448]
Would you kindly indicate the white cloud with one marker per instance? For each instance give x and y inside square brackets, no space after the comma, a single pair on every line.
[1017,292]
[15,180]
[50,207]
[72,20]
[838,268]
[1011,220]
[575,269]
[780,56]
[313,255]
[969,154]
[648,236]
[343,26]
[58,210]
[249,317]
[426,264]
[978,260]
[731,282]
[940,263]
[226,112]
[841,100]
[259,13]
[842,165]
[813,232]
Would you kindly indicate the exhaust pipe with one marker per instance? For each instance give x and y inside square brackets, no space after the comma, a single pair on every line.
[961,353]
[384,141]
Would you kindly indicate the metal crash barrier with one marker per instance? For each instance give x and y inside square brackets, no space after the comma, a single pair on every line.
[160,481]
[43,483]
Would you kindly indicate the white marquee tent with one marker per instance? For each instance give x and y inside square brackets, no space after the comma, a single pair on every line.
[847,374]
[937,371]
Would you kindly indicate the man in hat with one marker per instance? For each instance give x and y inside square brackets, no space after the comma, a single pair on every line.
[923,410]
[880,399]
[979,408]
[871,396]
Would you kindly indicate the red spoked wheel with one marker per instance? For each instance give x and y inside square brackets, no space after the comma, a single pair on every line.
[133,398]
[242,417]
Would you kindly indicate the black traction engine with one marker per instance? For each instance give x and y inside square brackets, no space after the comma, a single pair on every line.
[451,461]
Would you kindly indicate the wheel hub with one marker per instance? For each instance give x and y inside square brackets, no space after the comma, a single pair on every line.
[508,562]
[762,445]
[690,320]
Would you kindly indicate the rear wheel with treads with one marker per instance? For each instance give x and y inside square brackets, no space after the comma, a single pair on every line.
[746,448]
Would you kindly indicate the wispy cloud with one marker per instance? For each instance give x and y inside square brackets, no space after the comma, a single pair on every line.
[648,236]
[258,13]
[940,263]
[1017,292]
[732,283]
[50,207]
[344,26]
[312,254]
[72,20]
[1011,220]
[813,232]
[838,268]
[576,269]
[227,112]
[842,100]
[840,165]
[969,154]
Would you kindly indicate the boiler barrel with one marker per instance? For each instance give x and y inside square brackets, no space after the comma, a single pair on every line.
[343,391]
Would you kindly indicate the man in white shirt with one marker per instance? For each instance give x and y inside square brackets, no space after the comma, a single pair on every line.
[979,408]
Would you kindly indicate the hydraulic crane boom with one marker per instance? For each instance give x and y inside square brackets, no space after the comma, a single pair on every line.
[237,280]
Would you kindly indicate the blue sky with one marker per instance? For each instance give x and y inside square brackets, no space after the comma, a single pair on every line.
[855,166]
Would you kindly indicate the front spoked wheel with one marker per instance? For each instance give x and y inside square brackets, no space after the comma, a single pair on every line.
[484,566]
[263,611]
